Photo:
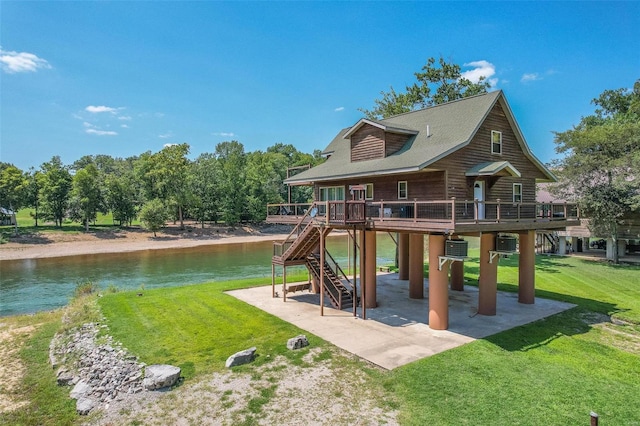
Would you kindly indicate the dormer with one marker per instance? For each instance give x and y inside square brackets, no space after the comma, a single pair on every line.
[371,140]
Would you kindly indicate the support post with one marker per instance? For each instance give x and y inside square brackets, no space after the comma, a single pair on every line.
[355,282]
[457,276]
[322,270]
[562,245]
[416,266]
[363,272]
[403,256]
[370,265]
[527,273]
[488,280]
[438,285]
[273,280]
[284,283]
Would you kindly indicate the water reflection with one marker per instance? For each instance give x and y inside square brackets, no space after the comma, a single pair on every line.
[33,285]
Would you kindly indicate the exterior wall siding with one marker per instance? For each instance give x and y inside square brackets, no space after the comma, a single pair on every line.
[479,151]
[422,186]
[394,143]
[367,143]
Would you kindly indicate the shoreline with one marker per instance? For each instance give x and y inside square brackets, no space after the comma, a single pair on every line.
[61,244]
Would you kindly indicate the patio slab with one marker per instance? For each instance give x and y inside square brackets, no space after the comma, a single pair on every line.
[397,331]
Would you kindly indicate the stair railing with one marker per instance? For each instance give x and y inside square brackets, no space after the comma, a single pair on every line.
[337,269]
[296,230]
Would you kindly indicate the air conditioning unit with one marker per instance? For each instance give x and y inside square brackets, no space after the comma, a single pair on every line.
[456,248]
[507,244]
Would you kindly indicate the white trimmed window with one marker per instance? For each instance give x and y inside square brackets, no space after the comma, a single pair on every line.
[517,192]
[368,191]
[496,142]
[332,193]
[402,190]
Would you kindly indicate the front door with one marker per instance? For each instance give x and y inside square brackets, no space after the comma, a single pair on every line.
[478,195]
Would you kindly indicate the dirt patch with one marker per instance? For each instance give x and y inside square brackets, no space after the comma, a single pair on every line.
[321,391]
[11,368]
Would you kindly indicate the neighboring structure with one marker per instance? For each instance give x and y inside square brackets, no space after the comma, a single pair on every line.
[7,217]
[579,238]
[456,169]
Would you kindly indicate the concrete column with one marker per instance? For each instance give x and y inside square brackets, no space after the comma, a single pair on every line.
[562,245]
[488,280]
[438,285]
[574,244]
[403,256]
[457,276]
[370,265]
[416,266]
[622,247]
[526,268]
[610,248]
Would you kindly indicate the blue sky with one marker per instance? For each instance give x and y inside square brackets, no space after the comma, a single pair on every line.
[121,78]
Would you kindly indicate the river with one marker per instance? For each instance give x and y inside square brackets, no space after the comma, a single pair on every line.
[32,285]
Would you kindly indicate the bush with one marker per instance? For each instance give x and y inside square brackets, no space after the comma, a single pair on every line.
[85,289]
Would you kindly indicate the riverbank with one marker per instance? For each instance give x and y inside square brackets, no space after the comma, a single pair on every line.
[49,244]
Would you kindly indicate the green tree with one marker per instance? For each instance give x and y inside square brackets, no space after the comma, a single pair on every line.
[436,84]
[88,194]
[32,192]
[204,175]
[232,182]
[12,189]
[265,173]
[121,198]
[600,163]
[153,215]
[55,190]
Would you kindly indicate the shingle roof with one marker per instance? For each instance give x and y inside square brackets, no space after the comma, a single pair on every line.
[441,130]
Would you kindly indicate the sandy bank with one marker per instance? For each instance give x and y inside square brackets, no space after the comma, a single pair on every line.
[58,244]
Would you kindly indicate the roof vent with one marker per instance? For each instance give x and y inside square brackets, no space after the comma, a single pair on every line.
[428,131]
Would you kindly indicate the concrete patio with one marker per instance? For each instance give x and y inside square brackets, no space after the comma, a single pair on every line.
[397,331]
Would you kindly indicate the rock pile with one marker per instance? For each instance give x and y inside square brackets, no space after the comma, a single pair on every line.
[101,372]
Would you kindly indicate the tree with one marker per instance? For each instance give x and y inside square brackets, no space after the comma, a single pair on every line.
[204,178]
[435,85]
[153,215]
[265,173]
[55,190]
[601,160]
[88,194]
[121,198]
[12,189]
[32,191]
[232,186]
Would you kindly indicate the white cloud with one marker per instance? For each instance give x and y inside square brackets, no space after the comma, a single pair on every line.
[225,134]
[339,109]
[89,125]
[98,109]
[124,126]
[98,132]
[530,77]
[167,145]
[166,135]
[480,69]
[125,117]
[14,62]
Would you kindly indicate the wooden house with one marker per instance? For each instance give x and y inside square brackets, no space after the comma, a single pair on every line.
[455,169]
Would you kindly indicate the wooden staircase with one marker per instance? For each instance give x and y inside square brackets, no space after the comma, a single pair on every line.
[340,296]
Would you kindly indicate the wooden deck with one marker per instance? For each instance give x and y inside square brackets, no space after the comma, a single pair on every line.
[450,216]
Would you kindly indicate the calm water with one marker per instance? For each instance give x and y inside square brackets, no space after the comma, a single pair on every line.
[28,286]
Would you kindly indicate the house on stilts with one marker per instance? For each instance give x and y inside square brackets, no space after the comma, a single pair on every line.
[458,169]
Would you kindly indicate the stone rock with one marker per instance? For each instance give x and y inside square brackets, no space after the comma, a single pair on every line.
[297,342]
[160,376]
[84,405]
[64,377]
[242,357]
[80,390]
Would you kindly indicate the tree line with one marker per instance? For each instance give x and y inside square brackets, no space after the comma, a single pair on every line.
[228,185]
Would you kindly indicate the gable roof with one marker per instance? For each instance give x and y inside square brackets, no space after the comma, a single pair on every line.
[435,132]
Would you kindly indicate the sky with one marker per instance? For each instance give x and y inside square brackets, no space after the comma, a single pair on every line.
[122,78]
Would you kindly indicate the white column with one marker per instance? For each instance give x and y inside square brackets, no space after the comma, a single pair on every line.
[562,245]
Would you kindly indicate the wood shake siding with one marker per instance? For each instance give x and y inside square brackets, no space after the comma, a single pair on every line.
[367,143]
[479,151]
[394,143]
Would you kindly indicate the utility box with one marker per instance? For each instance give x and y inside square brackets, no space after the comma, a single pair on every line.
[456,248]
[507,244]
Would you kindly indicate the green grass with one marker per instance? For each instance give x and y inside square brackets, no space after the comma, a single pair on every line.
[552,372]
[196,327]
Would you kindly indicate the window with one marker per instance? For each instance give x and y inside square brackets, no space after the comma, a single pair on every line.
[332,193]
[368,191]
[496,142]
[402,190]
[517,192]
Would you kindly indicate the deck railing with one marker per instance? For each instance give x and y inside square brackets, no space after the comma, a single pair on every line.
[444,212]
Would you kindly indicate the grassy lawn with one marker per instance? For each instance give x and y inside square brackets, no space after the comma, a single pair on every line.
[552,372]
